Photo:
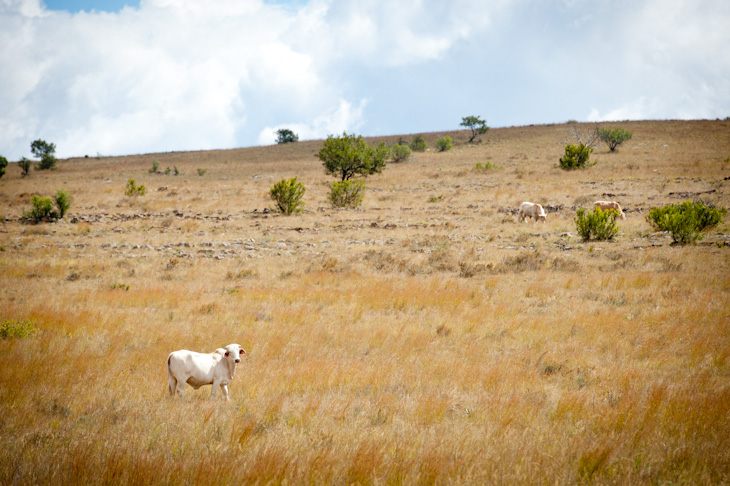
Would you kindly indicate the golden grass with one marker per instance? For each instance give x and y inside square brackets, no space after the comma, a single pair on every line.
[418,339]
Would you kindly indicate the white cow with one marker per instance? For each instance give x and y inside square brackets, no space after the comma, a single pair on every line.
[606,205]
[198,369]
[531,210]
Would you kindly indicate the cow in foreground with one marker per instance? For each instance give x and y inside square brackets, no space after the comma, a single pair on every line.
[198,369]
[606,205]
[531,210]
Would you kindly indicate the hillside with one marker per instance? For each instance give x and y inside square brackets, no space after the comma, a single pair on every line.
[428,336]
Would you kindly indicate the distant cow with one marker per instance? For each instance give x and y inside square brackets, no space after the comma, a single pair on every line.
[531,210]
[606,205]
[198,369]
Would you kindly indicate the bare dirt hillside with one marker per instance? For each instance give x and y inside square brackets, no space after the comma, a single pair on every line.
[425,337]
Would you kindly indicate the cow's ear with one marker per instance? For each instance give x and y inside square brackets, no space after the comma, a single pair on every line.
[226,353]
[242,352]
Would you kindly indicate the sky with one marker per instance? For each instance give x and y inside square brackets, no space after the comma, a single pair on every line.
[141,76]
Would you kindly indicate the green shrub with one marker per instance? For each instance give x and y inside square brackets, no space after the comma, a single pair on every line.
[48,162]
[598,225]
[44,151]
[63,202]
[288,195]
[615,137]
[686,221]
[17,329]
[133,189]
[444,143]
[155,167]
[285,135]
[350,156]
[399,153]
[347,194]
[419,144]
[42,210]
[486,166]
[476,125]
[24,165]
[576,157]
[201,172]
[3,164]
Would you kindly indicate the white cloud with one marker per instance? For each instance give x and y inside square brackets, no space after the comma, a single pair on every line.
[345,117]
[185,74]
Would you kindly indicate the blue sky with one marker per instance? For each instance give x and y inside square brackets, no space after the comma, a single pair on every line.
[172,75]
[74,6]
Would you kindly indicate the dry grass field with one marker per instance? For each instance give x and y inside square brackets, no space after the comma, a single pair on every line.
[427,337]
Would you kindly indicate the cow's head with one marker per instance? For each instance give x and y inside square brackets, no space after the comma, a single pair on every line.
[234,352]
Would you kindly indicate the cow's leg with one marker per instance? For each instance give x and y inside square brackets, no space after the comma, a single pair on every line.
[171,385]
[224,388]
[181,388]
[216,383]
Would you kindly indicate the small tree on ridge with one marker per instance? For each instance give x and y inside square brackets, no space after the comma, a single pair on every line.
[476,125]
[349,156]
[284,135]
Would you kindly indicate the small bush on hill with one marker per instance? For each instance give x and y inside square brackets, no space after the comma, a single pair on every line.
[201,172]
[45,152]
[419,144]
[486,166]
[349,156]
[444,143]
[686,221]
[155,169]
[288,193]
[347,194]
[576,157]
[43,208]
[133,189]
[476,125]
[284,135]
[3,164]
[598,225]
[24,165]
[17,329]
[63,202]
[399,153]
[614,138]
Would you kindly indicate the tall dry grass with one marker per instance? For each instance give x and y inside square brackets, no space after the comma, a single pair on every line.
[414,340]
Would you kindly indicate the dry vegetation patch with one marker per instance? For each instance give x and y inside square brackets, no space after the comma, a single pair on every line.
[425,337]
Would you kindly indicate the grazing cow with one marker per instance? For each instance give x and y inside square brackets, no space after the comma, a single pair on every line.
[531,210]
[198,369]
[606,205]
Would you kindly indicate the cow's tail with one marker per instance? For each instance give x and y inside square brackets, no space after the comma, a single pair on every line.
[171,381]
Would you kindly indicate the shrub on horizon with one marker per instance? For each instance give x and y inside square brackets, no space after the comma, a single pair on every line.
[284,135]
[3,164]
[45,152]
[476,125]
[614,138]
